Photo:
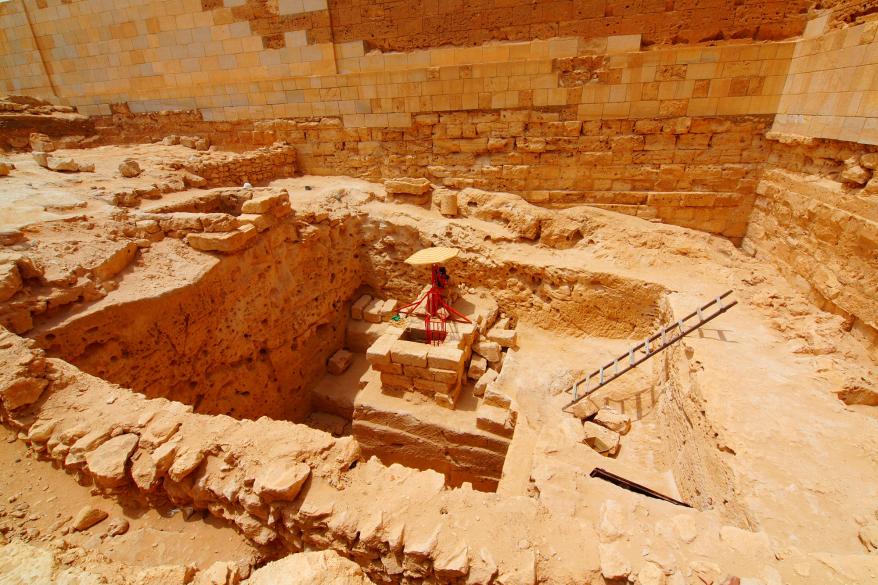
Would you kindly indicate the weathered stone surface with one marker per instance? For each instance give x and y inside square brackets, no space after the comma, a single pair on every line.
[41,143]
[483,382]
[613,420]
[495,419]
[10,281]
[313,568]
[108,462]
[407,186]
[281,480]
[503,337]
[489,350]
[359,306]
[264,203]
[601,439]
[88,517]
[477,367]
[41,159]
[584,409]
[496,397]
[614,562]
[5,168]
[227,242]
[219,573]
[855,174]
[339,362]
[409,353]
[129,168]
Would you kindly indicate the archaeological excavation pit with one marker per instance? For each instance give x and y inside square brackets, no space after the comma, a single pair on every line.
[257,335]
[485,293]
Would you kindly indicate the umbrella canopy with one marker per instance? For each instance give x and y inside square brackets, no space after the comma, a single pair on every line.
[432,256]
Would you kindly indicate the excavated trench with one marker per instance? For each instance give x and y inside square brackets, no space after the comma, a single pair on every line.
[252,335]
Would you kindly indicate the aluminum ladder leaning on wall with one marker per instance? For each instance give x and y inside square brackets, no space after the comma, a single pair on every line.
[637,354]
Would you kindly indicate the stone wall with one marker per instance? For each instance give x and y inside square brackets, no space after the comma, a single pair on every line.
[831,90]
[247,340]
[816,217]
[392,25]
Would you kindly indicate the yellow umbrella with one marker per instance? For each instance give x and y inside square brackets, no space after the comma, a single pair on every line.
[432,256]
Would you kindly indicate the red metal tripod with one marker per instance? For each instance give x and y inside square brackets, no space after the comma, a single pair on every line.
[437,311]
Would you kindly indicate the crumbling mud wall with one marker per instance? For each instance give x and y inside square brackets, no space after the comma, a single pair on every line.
[247,339]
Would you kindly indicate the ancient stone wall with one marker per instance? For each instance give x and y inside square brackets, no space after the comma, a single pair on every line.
[248,339]
[831,90]
[392,25]
[816,217]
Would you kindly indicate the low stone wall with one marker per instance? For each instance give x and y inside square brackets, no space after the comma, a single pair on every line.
[255,167]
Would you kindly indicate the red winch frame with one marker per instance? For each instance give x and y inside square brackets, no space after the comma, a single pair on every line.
[438,312]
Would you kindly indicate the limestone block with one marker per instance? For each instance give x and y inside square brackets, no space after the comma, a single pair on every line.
[193,180]
[41,143]
[584,409]
[409,353]
[10,237]
[265,203]
[361,334]
[490,350]
[869,161]
[129,168]
[202,144]
[372,311]
[445,357]
[601,439]
[117,262]
[432,386]
[187,459]
[171,140]
[339,362]
[855,174]
[417,372]
[448,203]
[495,420]
[503,337]
[496,397]
[477,367]
[5,167]
[88,517]
[379,351]
[107,463]
[41,159]
[614,564]
[407,186]
[10,281]
[613,420]
[447,376]
[389,368]
[389,309]
[281,480]
[400,382]
[359,305]
[483,382]
[227,242]
[219,573]
[262,221]
[63,164]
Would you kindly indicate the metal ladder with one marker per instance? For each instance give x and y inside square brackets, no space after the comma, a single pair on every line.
[637,354]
